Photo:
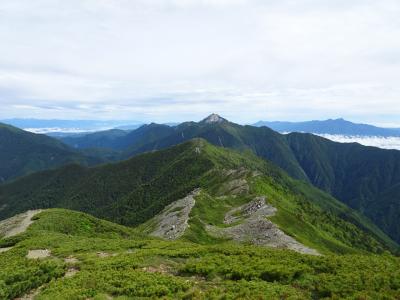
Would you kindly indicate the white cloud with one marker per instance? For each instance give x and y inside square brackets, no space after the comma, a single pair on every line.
[180,59]
[375,141]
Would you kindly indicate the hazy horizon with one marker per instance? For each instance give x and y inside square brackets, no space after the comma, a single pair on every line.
[136,121]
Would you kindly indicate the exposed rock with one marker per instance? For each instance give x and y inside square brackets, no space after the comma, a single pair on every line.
[105,254]
[38,254]
[236,187]
[71,260]
[256,173]
[162,269]
[31,295]
[173,220]
[71,271]
[5,249]
[212,119]
[256,229]
[236,183]
[17,224]
[257,207]
[236,173]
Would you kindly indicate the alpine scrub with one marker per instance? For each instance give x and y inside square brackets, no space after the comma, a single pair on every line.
[113,261]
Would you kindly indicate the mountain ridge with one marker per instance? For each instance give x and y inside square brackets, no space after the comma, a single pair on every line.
[143,186]
[364,178]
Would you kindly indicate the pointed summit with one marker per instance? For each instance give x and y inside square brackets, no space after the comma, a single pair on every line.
[213,119]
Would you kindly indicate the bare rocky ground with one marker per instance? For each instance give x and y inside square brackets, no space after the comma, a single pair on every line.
[72,269]
[31,295]
[255,228]
[173,220]
[17,224]
[163,269]
[5,249]
[38,254]
[236,187]
[236,183]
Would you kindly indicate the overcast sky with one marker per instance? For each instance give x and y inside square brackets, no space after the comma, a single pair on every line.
[177,60]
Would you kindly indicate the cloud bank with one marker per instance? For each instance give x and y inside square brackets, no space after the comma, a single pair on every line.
[375,141]
[154,60]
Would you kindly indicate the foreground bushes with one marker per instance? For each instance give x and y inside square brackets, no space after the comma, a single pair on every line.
[115,262]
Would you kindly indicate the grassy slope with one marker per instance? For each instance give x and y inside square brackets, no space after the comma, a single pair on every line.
[150,268]
[364,178]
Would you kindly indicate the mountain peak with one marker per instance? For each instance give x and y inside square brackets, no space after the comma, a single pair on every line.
[213,118]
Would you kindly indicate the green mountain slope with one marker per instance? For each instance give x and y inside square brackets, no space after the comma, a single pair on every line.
[88,258]
[264,142]
[22,152]
[102,139]
[117,139]
[133,191]
[365,178]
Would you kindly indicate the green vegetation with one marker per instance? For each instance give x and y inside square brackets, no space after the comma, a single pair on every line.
[318,221]
[117,139]
[22,153]
[108,139]
[90,258]
[129,192]
[133,191]
[112,261]
[365,178]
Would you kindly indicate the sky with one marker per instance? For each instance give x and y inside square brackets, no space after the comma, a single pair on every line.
[178,60]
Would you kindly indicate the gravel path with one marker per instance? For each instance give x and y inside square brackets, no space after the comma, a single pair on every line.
[17,224]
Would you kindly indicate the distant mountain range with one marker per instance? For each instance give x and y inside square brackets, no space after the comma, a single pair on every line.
[337,127]
[365,178]
[63,127]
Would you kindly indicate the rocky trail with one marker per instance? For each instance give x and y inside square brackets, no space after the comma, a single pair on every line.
[17,224]
[172,222]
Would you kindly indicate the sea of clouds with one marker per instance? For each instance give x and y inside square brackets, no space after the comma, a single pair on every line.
[376,141]
[46,130]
